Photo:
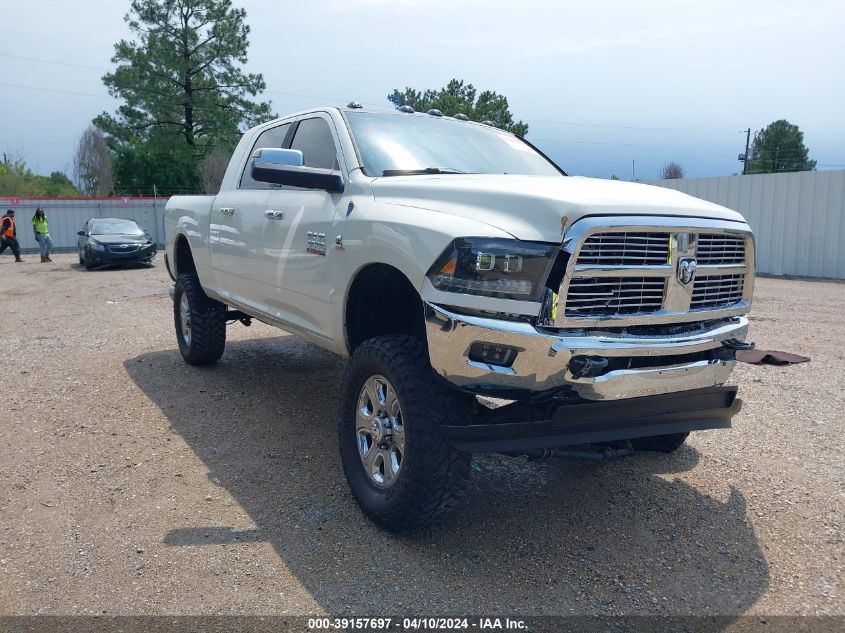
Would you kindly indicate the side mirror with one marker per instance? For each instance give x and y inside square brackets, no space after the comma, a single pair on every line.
[81,233]
[297,176]
[275,156]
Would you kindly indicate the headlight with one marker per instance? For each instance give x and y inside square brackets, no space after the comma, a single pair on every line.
[95,245]
[492,267]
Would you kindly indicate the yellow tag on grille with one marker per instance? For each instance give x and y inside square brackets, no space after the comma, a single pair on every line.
[673,245]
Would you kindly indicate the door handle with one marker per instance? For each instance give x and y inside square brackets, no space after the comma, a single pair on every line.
[227,211]
[272,214]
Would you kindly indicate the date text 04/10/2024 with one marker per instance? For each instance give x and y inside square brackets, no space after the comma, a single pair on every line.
[416,624]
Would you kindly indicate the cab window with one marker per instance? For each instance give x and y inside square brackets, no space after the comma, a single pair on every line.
[313,138]
[274,137]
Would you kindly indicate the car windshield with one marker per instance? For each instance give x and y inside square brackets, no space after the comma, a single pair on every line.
[115,227]
[405,144]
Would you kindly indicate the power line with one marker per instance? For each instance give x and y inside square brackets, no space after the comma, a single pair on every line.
[634,127]
[51,61]
[785,153]
[579,142]
[64,92]
[335,99]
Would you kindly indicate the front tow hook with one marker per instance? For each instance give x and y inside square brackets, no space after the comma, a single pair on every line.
[736,344]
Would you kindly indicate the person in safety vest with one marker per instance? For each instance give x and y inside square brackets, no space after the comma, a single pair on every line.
[42,235]
[9,235]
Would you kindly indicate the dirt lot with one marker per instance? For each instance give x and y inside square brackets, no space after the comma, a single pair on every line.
[132,483]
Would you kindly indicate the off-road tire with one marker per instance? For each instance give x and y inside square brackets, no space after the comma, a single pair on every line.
[433,474]
[660,443]
[208,322]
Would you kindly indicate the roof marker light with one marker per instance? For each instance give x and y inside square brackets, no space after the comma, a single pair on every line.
[435,112]
[406,108]
[355,105]
[460,116]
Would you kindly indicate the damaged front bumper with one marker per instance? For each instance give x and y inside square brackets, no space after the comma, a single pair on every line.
[523,427]
[587,364]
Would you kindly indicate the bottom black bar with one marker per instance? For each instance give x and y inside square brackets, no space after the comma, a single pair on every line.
[425,622]
[591,422]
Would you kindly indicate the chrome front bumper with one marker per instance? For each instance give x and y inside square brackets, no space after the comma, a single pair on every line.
[542,362]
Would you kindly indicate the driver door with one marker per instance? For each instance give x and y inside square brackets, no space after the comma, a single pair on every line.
[298,243]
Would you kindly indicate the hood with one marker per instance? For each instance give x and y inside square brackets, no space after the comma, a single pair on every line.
[121,239]
[534,207]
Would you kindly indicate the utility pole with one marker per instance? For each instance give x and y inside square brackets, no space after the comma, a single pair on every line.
[744,157]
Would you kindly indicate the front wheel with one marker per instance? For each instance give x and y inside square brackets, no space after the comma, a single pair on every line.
[401,470]
[200,322]
[86,261]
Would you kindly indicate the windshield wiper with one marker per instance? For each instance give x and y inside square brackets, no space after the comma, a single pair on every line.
[417,172]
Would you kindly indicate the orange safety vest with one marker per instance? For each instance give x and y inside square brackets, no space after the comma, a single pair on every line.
[9,232]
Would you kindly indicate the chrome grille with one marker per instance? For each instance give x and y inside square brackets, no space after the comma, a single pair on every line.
[716,291]
[625,249]
[632,271]
[621,295]
[720,249]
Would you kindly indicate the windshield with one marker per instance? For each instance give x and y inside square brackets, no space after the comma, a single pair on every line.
[115,227]
[402,144]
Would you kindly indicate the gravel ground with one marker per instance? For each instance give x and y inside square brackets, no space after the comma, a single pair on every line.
[132,483]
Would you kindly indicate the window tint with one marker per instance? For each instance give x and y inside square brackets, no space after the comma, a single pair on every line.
[115,227]
[314,139]
[275,138]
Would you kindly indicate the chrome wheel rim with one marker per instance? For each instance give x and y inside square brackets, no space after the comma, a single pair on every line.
[380,432]
[185,319]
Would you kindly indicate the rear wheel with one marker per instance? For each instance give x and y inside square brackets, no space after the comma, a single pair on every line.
[402,471]
[660,443]
[200,322]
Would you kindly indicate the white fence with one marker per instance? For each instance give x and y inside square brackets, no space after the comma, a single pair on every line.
[798,218]
[66,216]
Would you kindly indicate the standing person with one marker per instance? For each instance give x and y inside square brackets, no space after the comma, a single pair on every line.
[9,235]
[42,235]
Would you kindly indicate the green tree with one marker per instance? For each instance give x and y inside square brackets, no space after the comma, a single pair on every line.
[18,180]
[460,98]
[183,89]
[779,147]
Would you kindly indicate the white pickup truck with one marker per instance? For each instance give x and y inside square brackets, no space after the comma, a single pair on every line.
[454,264]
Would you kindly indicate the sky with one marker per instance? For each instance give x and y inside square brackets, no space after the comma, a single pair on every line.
[607,87]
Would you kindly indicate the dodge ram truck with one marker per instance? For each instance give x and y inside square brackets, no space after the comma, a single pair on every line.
[485,300]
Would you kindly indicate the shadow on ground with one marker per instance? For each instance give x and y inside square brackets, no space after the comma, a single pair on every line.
[529,538]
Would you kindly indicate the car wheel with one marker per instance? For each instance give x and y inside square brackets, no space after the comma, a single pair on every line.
[401,470]
[86,260]
[660,443]
[81,259]
[200,322]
